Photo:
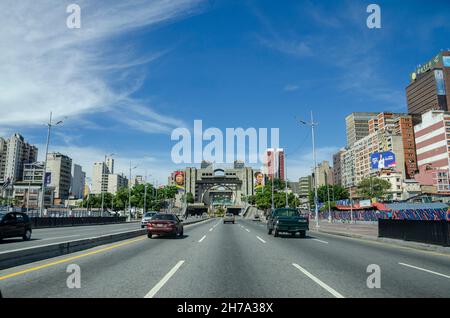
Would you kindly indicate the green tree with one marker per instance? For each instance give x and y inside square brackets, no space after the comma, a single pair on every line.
[372,187]
[337,192]
[189,197]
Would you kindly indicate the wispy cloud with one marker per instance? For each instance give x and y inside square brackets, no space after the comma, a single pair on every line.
[46,66]
[291,88]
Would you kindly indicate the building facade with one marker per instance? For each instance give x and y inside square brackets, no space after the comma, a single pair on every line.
[115,182]
[430,86]
[357,126]
[60,168]
[78,181]
[274,163]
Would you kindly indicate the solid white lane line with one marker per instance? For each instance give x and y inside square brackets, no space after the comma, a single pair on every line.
[204,236]
[320,241]
[163,281]
[260,239]
[425,270]
[247,230]
[210,229]
[318,281]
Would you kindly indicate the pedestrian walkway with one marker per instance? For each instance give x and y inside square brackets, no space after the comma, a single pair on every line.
[357,229]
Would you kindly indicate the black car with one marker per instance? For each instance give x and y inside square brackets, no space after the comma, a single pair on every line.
[15,224]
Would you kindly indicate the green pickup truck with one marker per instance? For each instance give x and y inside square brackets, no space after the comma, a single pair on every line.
[287,220]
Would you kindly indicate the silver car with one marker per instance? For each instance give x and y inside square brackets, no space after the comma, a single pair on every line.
[147,216]
[229,218]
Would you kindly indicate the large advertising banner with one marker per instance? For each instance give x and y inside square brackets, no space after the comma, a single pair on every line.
[440,85]
[259,180]
[179,180]
[48,178]
[380,160]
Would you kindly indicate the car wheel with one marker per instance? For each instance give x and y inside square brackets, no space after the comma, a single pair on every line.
[27,235]
[275,233]
[269,231]
[302,234]
[182,233]
[149,235]
[142,226]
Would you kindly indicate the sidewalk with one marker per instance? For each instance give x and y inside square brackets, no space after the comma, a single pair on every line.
[369,232]
[347,229]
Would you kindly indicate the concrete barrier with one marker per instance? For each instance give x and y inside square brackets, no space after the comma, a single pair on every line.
[27,255]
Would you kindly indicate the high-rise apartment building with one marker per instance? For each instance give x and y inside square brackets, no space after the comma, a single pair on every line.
[432,138]
[14,153]
[324,174]
[60,168]
[337,166]
[357,126]
[305,186]
[115,182]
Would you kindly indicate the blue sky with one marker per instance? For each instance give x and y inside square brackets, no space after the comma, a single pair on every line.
[137,70]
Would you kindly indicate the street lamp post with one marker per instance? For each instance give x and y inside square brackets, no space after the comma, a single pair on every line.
[313,124]
[49,124]
[129,193]
[286,181]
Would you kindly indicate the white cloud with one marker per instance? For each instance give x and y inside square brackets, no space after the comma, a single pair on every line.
[46,66]
[159,168]
[291,88]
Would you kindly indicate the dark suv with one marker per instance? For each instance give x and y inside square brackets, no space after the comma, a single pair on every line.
[15,224]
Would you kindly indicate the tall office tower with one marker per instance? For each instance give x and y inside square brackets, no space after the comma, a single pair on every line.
[337,167]
[109,165]
[324,174]
[99,178]
[430,86]
[78,181]
[357,126]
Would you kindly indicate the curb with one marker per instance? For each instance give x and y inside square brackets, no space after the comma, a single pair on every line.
[27,255]
[399,243]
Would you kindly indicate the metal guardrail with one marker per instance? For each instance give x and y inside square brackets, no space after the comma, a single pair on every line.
[431,232]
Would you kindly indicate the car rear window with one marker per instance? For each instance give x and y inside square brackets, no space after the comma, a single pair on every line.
[169,217]
[287,213]
[230,214]
[149,214]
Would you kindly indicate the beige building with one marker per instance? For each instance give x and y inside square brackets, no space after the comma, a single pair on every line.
[324,174]
[115,182]
[357,126]
[60,168]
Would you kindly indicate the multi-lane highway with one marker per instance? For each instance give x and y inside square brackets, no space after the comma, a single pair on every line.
[237,261]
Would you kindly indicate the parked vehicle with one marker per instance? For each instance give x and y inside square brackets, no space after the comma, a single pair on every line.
[287,220]
[165,224]
[229,218]
[147,216]
[256,217]
[15,224]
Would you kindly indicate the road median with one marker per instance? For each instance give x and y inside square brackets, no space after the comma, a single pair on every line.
[27,255]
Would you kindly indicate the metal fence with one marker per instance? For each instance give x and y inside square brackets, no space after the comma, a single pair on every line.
[431,232]
[74,221]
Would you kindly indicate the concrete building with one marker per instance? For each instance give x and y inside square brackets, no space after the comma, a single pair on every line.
[432,137]
[78,181]
[210,184]
[324,174]
[115,182]
[439,179]
[305,186]
[274,163]
[138,180]
[99,178]
[60,168]
[337,167]
[396,180]
[357,126]
[28,191]
[430,86]
[14,153]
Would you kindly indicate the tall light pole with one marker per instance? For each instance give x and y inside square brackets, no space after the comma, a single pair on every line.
[145,192]
[328,193]
[286,181]
[313,124]
[129,192]
[49,124]
[103,179]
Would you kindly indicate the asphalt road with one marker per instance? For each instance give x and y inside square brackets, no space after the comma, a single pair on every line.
[237,261]
[53,235]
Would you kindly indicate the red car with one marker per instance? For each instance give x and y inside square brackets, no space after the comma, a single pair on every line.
[165,224]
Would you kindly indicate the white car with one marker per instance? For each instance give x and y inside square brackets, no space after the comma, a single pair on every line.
[229,218]
[147,216]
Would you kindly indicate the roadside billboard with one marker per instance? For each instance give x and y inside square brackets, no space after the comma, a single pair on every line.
[440,85]
[259,180]
[381,160]
[179,180]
